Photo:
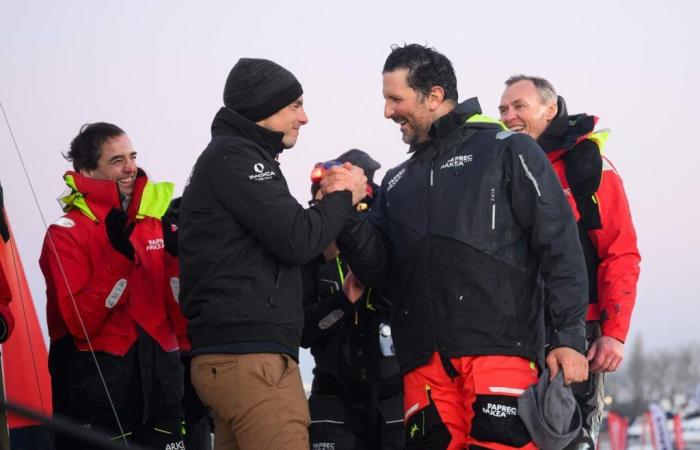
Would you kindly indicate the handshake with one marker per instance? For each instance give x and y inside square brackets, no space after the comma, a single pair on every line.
[332,176]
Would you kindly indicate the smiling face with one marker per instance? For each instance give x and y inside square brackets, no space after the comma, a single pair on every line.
[117,163]
[407,107]
[523,110]
[287,120]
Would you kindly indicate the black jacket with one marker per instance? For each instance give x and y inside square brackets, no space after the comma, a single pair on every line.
[344,337]
[242,239]
[474,227]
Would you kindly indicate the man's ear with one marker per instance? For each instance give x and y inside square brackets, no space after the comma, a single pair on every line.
[86,173]
[435,97]
[551,111]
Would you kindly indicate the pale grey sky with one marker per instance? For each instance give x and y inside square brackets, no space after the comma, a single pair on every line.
[157,69]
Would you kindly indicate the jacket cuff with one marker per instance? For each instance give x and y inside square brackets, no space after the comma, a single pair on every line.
[616,327]
[571,337]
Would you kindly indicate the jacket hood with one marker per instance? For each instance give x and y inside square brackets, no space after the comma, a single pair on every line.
[229,122]
[565,131]
[94,198]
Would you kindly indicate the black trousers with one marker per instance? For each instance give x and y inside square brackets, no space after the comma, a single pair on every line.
[341,425]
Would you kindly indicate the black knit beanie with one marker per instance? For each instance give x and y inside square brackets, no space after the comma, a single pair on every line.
[258,88]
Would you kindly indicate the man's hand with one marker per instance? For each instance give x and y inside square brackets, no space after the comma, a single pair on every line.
[169,222]
[353,288]
[345,178]
[3,326]
[605,354]
[119,230]
[573,364]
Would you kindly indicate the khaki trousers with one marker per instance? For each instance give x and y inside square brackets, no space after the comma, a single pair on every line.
[257,400]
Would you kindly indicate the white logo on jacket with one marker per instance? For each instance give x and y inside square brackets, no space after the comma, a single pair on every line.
[260,174]
[496,410]
[395,179]
[116,293]
[155,244]
[457,161]
[65,222]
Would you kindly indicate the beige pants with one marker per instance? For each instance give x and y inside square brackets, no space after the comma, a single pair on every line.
[257,400]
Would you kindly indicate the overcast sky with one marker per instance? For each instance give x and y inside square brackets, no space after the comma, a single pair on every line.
[157,69]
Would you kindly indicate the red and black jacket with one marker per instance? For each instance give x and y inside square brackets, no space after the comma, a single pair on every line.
[597,197]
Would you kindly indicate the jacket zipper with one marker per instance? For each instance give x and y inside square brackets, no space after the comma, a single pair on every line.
[493,209]
[271,299]
[430,297]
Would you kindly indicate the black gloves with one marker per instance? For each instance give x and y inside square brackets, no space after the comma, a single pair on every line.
[119,230]
[169,223]
[4,229]
[3,328]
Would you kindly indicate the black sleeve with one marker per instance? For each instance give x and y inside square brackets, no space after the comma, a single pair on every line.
[364,243]
[322,316]
[541,208]
[255,192]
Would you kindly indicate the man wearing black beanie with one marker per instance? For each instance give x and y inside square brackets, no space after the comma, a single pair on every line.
[242,240]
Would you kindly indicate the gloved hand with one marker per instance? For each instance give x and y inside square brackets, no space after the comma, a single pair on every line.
[3,330]
[118,230]
[169,223]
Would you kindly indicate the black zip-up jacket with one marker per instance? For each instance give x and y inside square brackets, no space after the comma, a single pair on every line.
[242,240]
[344,337]
[472,231]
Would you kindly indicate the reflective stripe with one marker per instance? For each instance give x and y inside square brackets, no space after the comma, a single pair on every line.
[327,421]
[529,175]
[116,293]
[331,319]
[411,410]
[506,390]
[175,288]
[394,421]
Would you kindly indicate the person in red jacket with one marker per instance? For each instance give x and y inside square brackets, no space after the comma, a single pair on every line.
[115,327]
[6,320]
[597,197]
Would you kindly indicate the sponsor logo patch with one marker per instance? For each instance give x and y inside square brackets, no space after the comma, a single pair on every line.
[260,173]
[395,179]
[176,446]
[457,161]
[155,244]
[323,446]
[496,410]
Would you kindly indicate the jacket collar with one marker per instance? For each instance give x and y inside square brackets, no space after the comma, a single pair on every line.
[229,123]
[565,131]
[449,123]
[95,198]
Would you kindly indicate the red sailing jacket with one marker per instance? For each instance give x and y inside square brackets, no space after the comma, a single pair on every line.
[90,284]
[612,236]
[5,299]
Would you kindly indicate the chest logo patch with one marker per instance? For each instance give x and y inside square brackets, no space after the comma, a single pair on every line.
[457,161]
[155,244]
[260,173]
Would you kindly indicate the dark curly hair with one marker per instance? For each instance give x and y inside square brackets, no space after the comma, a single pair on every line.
[426,68]
[86,147]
